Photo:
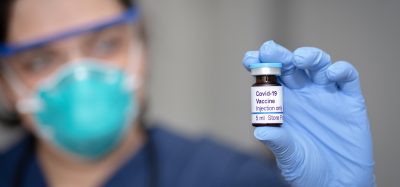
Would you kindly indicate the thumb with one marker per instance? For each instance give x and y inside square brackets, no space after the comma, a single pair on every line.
[281,143]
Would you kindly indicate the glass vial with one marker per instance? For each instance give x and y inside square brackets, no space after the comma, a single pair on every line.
[266,95]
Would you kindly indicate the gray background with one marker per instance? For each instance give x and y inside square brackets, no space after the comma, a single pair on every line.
[198,86]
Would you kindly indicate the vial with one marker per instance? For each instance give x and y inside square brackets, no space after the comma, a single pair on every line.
[266,95]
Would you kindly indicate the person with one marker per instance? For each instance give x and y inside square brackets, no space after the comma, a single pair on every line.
[73,75]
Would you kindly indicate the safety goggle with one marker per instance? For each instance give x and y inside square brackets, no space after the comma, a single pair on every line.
[109,40]
[7,50]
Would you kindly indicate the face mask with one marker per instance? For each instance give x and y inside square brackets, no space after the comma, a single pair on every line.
[85,108]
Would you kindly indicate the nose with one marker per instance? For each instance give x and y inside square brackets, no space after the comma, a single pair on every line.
[73,50]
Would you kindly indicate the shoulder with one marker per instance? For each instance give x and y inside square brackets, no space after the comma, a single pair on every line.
[11,159]
[203,161]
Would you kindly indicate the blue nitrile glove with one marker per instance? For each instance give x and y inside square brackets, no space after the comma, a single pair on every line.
[325,139]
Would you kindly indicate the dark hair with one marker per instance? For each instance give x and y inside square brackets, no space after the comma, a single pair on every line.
[12,118]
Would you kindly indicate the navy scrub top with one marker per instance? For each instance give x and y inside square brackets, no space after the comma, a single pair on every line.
[179,162]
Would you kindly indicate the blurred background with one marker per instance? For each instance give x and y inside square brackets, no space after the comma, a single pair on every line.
[197,85]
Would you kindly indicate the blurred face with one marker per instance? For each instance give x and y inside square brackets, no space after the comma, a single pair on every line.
[33,20]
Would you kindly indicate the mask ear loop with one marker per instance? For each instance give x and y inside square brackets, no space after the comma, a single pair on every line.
[134,81]
[26,102]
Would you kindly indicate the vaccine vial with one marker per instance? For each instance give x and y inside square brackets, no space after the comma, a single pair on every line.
[266,95]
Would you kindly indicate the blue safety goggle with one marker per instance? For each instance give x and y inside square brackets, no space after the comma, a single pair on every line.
[131,15]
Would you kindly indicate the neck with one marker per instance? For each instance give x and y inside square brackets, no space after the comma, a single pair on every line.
[62,170]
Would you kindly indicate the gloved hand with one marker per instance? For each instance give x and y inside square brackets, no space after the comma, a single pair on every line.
[325,139]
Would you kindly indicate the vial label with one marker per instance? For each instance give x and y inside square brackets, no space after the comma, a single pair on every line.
[266,104]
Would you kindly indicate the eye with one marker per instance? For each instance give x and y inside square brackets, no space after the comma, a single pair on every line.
[38,62]
[106,46]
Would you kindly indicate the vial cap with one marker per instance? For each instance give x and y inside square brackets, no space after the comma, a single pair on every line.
[265,65]
[266,68]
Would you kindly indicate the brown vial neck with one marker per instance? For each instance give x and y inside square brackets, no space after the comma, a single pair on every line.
[266,80]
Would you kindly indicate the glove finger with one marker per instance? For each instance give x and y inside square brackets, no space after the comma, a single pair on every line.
[251,57]
[291,76]
[279,141]
[345,76]
[315,61]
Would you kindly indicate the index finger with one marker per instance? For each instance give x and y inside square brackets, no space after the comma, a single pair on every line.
[291,76]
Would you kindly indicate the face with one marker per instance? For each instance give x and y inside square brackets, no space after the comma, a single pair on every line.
[36,19]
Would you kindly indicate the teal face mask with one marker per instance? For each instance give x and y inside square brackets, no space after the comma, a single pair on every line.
[86,108]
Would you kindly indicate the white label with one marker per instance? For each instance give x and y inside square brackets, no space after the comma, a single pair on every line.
[266,104]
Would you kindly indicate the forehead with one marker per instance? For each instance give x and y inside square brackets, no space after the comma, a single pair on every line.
[32,19]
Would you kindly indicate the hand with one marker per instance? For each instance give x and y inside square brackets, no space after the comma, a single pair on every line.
[325,139]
